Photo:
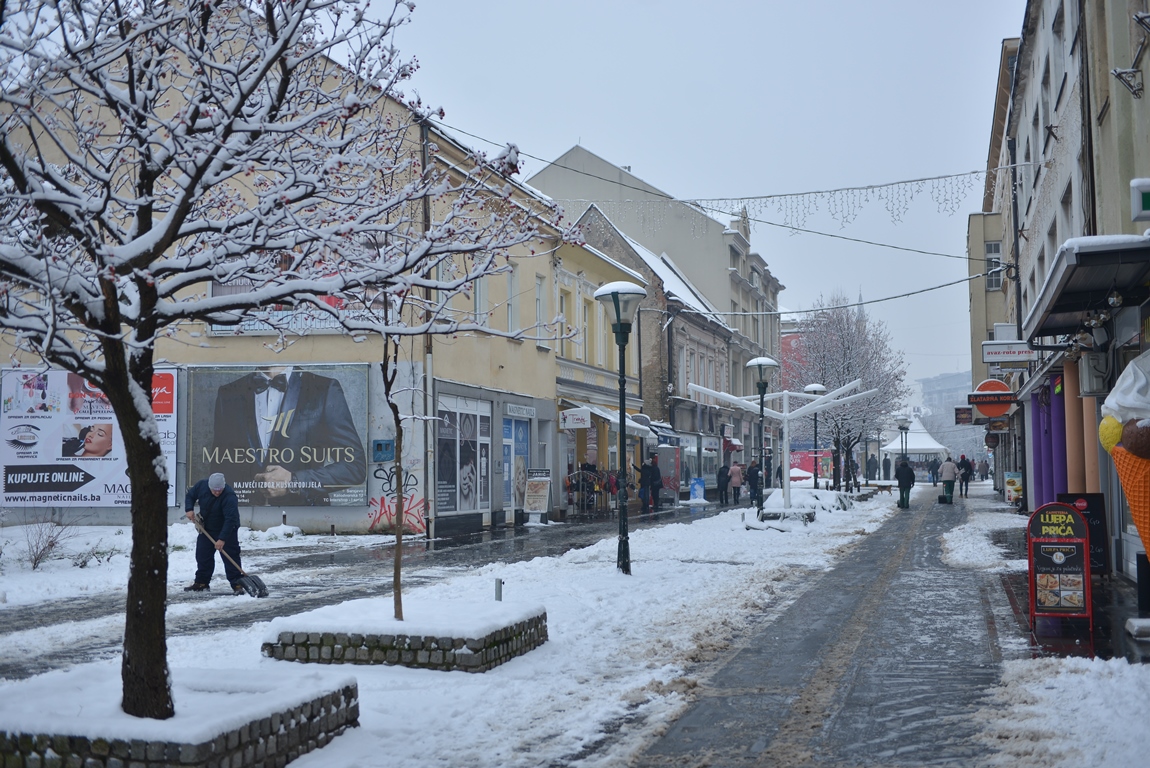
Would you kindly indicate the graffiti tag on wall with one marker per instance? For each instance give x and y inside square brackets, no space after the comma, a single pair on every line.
[381,510]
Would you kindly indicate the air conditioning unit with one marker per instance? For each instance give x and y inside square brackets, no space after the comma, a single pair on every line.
[1093,374]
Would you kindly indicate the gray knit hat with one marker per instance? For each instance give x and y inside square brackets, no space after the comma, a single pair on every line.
[216,482]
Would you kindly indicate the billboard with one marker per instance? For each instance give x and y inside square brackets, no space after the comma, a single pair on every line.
[285,436]
[62,445]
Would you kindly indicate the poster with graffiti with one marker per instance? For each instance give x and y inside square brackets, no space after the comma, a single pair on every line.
[281,435]
[62,445]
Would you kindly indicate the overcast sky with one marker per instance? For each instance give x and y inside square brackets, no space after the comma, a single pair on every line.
[729,99]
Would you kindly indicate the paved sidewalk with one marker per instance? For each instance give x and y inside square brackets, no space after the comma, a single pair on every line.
[881,661]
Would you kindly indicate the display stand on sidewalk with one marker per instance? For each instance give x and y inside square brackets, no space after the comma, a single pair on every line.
[1058,554]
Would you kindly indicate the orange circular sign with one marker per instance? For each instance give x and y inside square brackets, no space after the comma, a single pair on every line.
[991,387]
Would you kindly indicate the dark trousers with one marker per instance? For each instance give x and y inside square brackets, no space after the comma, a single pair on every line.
[756,494]
[724,497]
[963,486]
[206,560]
[904,497]
[738,492]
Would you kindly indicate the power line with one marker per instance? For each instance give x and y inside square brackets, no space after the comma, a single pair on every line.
[702,203]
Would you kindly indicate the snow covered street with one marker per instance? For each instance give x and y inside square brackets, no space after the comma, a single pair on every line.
[626,655]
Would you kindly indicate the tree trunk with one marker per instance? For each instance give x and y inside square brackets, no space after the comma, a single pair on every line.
[388,385]
[144,666]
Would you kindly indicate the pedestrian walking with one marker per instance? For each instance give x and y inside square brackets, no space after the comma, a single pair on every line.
[932,470]
[650,481]
[220,518]
[905,477]
[983,470]
[948,473]
[736,478]
[722,480]
[965,472]
[754,480]
[886,467]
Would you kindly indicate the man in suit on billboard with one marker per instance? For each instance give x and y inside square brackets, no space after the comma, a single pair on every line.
[286,437]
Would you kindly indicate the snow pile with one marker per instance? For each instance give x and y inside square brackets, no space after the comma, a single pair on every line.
[969,545]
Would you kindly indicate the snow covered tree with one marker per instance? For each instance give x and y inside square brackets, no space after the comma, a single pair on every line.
[837,344]
[168,165]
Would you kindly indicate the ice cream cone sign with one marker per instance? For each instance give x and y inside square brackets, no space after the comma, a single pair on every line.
[1125,434]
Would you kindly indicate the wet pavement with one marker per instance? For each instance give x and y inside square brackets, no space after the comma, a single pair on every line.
[881,661]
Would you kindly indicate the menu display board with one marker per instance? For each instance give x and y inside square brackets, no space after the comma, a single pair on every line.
[1058,543]
[537,498]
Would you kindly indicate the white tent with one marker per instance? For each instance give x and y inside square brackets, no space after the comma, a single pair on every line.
[919,443]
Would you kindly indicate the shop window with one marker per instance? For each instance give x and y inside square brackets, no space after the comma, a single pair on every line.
[463,455]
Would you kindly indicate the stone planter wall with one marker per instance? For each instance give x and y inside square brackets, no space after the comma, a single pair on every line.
[442,653]
[270,742]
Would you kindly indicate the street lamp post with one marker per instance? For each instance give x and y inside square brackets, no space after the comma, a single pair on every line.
[816,390]
[764,366]
[621,300]
[903,427]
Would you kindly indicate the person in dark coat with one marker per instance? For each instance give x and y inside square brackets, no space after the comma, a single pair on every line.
[932,470]
[754,479]
[723,479]
[655,481]
[886,467]
[965,472]
[905,477]
[872,468]
[767,474]
[220,516]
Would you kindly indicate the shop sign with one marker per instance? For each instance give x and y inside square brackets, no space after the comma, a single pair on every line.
[519,411]
[575,418]
[963,414]
[991,441]
[710,444]
[1059,563]
[998,425]
[1008,354]
[992,398]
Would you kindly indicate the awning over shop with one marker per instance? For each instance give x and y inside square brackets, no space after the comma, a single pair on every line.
[605,414]
[665,434]
[732,445]
[1082,275]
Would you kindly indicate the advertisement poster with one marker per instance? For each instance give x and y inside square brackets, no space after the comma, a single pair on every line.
[1013,482]
[537,497]
[62,445]
[446,487]
[284,436]
[1059,567]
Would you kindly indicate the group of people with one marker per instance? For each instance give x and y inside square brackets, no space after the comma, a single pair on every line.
[755,477]
[949,472]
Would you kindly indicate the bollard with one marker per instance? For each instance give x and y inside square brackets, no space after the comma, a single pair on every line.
[499,590]
[333,529]
[285,518]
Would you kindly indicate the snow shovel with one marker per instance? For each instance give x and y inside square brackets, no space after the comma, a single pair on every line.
[253,585]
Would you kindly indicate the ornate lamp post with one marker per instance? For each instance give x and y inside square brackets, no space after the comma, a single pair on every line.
[816,390]
[621,300]
[903,427]
[764,366]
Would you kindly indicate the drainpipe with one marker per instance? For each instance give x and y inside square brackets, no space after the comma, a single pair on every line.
[1021,412]
[428,367]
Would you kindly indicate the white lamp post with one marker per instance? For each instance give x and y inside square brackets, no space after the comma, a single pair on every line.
[816,389]
[621,300]
[765,366]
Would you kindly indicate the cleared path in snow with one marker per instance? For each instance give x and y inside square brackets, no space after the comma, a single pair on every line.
[881,661]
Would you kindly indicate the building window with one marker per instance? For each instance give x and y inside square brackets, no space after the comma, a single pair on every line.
[513,299]
[736,259]
[604,340]
[479,296]
[993,262]
[540,306]
[589,328]
[682,372]
[564,306]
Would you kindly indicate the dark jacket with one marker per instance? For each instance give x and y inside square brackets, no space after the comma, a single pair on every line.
[221,514]
[754,475]
[966,468]
[724,476]
[904,475]
[649,475]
